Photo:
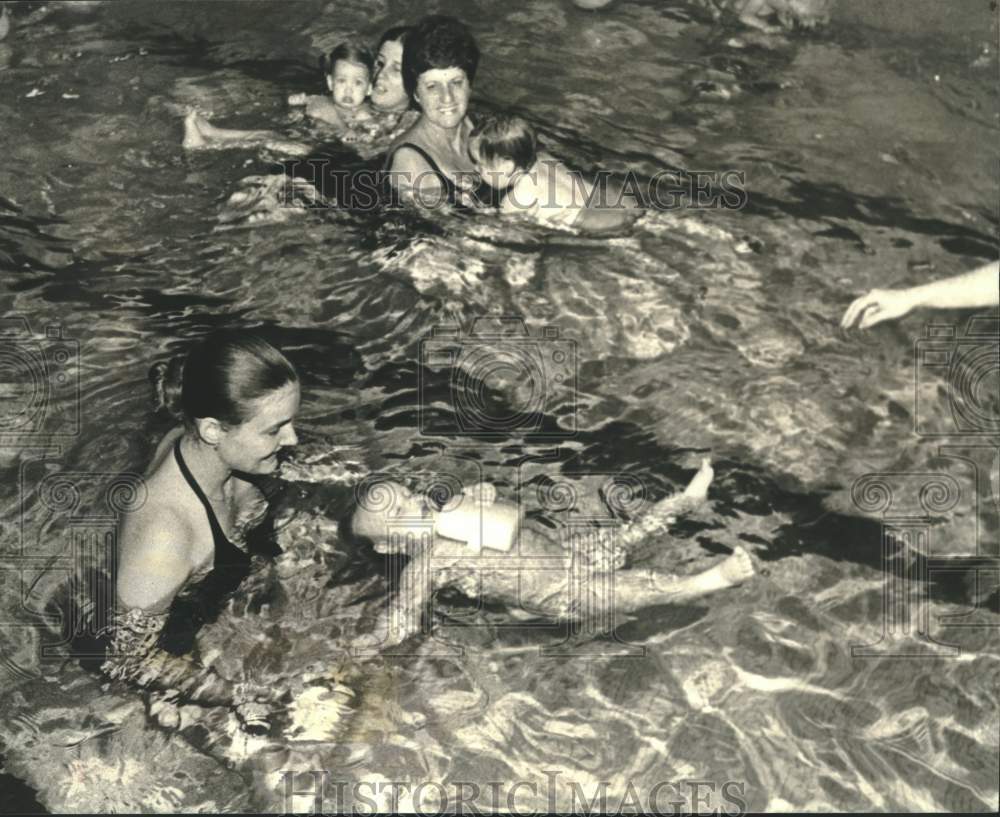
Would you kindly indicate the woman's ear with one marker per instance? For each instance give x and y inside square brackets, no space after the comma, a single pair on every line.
[329,82]
[210,430]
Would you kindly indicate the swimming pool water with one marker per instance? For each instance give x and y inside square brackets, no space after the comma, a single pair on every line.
[702,332]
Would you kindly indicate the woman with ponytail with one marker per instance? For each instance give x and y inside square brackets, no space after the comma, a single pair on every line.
[236,397]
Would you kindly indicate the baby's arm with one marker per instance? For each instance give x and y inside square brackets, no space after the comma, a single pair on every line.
[303,99]
[407,608]
[323,110]
[663,513]
[604,220]
[619,213]
[363,114]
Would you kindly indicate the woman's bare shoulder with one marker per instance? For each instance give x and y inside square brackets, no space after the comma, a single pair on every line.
[161,526]
[400,150]
[166,518]
[404,158]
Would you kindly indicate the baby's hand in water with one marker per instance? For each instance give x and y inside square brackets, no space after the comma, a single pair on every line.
[483,492]
[297,99]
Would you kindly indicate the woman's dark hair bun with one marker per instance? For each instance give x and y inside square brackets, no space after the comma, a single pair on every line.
[167,379]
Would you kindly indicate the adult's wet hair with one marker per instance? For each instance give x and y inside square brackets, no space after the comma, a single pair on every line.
[393,34]
[504,136]
[438,41]
[350,52]
[220,377]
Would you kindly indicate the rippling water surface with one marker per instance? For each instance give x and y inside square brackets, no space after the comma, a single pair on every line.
[703,332]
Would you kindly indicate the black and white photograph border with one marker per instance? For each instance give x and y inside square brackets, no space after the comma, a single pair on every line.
[456,406]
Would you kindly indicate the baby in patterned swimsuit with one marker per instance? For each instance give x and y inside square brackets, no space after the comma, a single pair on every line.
[479,546]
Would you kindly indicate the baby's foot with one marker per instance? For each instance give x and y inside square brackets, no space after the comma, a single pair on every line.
[737,568]
[297,99]
[193,137]
[698,487]
[288,148]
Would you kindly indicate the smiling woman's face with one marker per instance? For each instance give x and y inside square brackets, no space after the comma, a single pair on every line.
[253,445]
[388,93]
[443,95]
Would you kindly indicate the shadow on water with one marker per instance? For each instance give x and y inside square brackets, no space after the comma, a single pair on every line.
[812,201]
[17,796]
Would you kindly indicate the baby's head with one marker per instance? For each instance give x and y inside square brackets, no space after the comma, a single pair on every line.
[349,74]
[501,146]
[387,514]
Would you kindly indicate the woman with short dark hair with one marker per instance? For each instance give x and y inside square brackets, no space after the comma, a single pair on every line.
[429,164]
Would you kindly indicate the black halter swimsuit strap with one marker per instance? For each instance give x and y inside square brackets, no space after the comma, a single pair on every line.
[448,185]
[225,551]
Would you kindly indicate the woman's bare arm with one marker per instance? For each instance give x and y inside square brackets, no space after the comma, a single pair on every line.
[978,288]
[150,576]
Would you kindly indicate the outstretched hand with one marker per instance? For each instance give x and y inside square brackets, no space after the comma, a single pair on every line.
[876,306]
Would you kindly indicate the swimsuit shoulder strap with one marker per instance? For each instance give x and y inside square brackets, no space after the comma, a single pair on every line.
[446,182]
[218,535]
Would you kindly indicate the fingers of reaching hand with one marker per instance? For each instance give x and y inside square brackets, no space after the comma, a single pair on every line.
[857,309]
[874,307]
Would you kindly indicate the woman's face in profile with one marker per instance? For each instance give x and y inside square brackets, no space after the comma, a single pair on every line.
[388,92]
[443,95]
[252,447]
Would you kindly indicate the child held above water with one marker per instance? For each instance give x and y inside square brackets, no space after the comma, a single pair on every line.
[348,76]
[535,185]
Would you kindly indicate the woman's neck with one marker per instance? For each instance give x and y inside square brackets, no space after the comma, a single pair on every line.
[402,108]
[211,474]
[450,138]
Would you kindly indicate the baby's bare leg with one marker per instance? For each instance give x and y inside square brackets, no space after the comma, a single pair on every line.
[576,594]
[200,133]
[635,589]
